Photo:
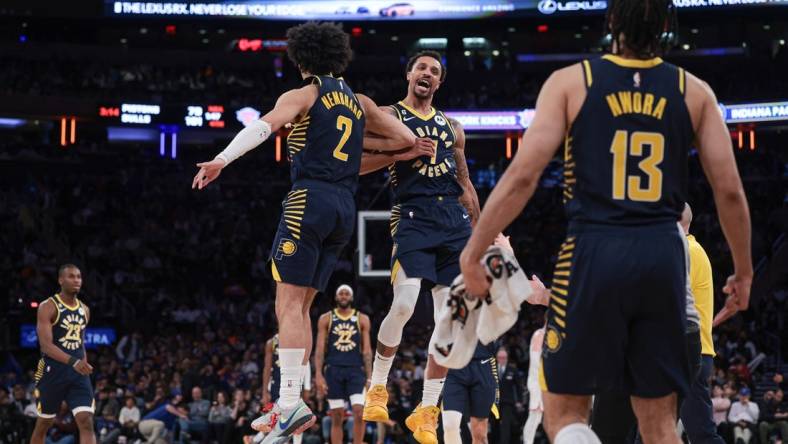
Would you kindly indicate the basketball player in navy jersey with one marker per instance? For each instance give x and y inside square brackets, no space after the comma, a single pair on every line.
[344,331]
[431,221]
[617,319]
[324,149]
[63,372]
[471,392]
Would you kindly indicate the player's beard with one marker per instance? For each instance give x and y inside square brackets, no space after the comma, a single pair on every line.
[344,305]
[424,96]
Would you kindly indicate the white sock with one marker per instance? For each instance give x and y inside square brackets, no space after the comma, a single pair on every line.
[381,369]
[432,391]
[292,373]
[297,438]
[576,433]
[531,424]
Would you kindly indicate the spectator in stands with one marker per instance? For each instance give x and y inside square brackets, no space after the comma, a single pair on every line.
[107,403]
[22,403]
[128,348]
[744,417]
[108,428]
[779,381]
[774,416]
[64,428]
[720,405]
[129,417]
[510,381]
[162,419]
[219,418]
[10,417]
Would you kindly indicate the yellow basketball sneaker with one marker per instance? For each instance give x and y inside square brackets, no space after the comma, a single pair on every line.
[423,422]
[375,409]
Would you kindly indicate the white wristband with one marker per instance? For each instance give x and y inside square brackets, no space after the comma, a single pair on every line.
[246,140]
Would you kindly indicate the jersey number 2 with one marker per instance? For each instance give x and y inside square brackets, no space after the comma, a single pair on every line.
[632,187]
[346,126]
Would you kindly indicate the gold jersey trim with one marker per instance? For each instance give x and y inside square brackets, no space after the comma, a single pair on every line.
[421,116]
[632,63]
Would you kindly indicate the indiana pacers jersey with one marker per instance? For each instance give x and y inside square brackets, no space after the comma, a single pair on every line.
[344,340]
[70,323]
[326,144]
[56,381]
[426,176]
[626,153]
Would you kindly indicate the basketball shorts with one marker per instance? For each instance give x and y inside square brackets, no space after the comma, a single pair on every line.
[58,382]
[472,390]
[345,381]
[429,234]
[317,222]
[617,318]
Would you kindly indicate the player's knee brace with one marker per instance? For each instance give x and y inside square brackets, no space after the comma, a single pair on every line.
[406,294]
[451,427]
[576,433]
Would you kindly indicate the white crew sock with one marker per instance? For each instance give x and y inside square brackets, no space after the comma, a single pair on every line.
[298,438]
[292,373]
[381,369]
[576,433]
[432,391]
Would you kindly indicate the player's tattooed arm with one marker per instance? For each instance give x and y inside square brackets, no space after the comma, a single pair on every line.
[366,345]
[320,350]
[469,198]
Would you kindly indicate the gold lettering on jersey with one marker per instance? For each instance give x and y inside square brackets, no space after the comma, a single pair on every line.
[73,325]
[336,98]
[431,169]
[627,102]
[345,332]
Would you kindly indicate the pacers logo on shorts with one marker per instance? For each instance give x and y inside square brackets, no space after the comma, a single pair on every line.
[286,248]
[552,340]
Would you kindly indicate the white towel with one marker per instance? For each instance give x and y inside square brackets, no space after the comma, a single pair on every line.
[464,320]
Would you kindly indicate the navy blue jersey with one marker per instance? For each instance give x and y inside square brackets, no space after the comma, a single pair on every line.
[344,339]
[69,325]
[326,143]
[626,154]
[485,351]
[426,176]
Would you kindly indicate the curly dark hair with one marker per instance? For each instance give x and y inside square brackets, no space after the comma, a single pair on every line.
[648,26]
[435,55]
[319,48]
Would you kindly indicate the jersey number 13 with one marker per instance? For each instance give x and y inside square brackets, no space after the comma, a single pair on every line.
[631,186]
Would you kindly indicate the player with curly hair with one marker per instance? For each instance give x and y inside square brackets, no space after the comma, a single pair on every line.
[324,149]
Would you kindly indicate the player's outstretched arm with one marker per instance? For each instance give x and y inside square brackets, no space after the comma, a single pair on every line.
[716,156]
[288,107]
[396,135]
[517,185]
[268,361]
[469,198]
[320,352]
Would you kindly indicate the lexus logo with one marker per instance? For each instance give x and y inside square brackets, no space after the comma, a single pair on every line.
[547,6]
